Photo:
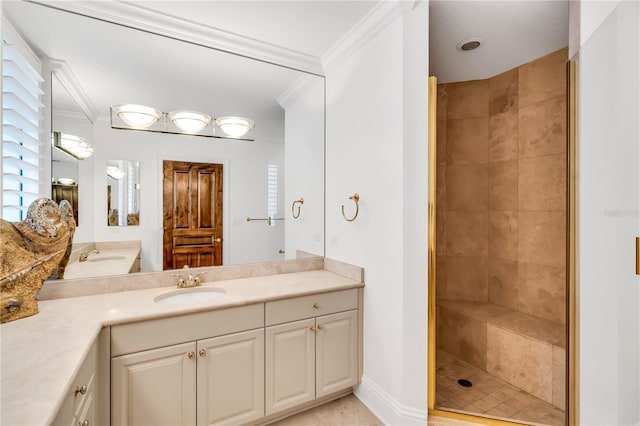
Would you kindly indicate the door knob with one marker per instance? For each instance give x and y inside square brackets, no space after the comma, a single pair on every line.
[80,390]
[202,352]
[320,326]
[217,240]
[191,355]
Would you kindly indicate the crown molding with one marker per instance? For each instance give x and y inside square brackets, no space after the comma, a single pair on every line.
[378,18]
[293,92]
[139,17]
[73,87]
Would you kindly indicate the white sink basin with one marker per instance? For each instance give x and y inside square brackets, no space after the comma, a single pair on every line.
[190,295]
[102,259]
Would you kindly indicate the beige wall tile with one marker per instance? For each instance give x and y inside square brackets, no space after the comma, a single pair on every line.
[542,128]
[542,291]
[467,278]
[441,187]
[523,362]
[467,233]
[535,328]
[503,283]
[503,185]
[462,337]
[441,232]
[468,141]
[503,136]
[441,277]
[503,235]
[467,187]
[559,377]
[503,92]
[542,183]
[468,99]
[542,79]
[541,238]
[441,142]
[441,100]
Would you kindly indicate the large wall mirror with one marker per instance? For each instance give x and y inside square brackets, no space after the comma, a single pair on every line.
[115,65]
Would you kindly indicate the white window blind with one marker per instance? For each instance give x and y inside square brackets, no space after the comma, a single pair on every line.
[272,192]
[21,146]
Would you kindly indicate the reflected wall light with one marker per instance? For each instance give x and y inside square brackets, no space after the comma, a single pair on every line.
[235,127]
[181,122]
[138,116]
[114,172]
[72,145]
[189,121]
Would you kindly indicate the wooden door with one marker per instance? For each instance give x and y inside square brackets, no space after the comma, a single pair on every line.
[231,378]
[155,387]
[69,193]
[192,200]
[336,352]
[290,365]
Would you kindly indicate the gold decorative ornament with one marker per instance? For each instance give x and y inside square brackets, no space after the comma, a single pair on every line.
[31,251]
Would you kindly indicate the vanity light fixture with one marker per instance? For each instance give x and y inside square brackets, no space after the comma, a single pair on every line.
[114,172]
[73,145]
[137,116]
[181,122]
[189,121]
[63,181]
[235,127]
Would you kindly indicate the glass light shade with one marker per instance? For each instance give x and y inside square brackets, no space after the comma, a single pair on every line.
[66,181]
[139,116]
[73,145]
[189,121]
[115,172]
[235,127]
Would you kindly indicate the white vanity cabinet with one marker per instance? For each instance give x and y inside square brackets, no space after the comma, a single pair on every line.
[314,357]
[207,380]
[79,407]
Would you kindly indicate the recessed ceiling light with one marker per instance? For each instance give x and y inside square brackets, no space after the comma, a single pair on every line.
[468,44]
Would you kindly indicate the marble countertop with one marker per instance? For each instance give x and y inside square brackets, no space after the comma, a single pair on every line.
[113,261]
[41,354]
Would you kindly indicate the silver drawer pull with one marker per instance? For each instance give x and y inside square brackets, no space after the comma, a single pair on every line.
[80,390]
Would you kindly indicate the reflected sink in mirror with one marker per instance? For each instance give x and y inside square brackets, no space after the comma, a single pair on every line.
[191,295]
[102,259]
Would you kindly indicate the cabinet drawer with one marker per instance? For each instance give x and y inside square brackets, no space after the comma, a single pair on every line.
[84,382]
[297,308]
[144,335]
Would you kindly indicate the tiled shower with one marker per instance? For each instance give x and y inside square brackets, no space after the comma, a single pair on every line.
[501,231]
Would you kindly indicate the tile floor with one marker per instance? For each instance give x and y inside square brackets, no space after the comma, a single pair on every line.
[349,411]
[488,395]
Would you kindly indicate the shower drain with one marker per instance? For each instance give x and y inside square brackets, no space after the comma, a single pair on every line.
[464,382]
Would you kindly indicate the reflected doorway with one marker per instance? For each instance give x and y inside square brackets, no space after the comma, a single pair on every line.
[192,214]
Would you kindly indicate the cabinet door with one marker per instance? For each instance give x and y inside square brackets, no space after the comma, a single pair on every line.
[155,387]
[231,378]
[290,365]
[88,416]
[336,352]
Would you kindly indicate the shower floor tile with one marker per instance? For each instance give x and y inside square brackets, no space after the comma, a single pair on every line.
[489,396]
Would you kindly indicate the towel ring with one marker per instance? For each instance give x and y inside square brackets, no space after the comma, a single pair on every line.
[356,198]
[293,205]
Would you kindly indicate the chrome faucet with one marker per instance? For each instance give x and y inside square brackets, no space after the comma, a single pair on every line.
[84,256]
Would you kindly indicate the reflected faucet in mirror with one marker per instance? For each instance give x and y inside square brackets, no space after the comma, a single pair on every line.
[85,256]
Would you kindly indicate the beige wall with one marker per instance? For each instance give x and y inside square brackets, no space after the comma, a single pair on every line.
[501,176]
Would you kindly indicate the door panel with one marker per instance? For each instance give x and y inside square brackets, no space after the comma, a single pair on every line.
[155,387]
[231,378]
[290,365]
[336,352]
[192,200]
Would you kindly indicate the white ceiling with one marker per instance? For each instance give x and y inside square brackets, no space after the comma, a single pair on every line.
[306,26]
[512,33]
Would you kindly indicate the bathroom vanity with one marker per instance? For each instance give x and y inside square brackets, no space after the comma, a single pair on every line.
[268,347]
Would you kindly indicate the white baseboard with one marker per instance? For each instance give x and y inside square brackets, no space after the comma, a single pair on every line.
[386,407]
